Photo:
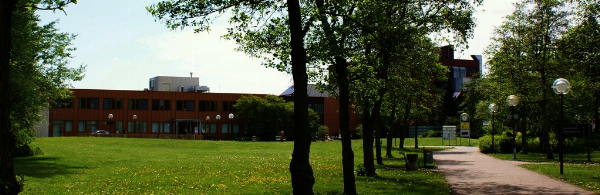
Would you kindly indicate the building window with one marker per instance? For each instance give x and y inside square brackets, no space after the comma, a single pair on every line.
[88,103]
[318,108]
[88,126]
[185,105]
[213,128]
[137,127]
[471,70]
[138,104]
[227,106]
[161,104]
[116,126]
[60,103]
[224,127]
[207,106]
[59,127]
[161,127]
[236,128]
[113,103]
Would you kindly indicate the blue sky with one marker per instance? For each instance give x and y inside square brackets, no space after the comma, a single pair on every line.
[123,46]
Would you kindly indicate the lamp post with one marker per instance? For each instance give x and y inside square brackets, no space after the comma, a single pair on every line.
[110,116]
[231,123]
[207,119]
[512,101]
[219,119]
[561,87]
[493,108]
[134,124]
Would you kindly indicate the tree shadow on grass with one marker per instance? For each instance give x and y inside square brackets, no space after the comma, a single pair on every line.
[43,167]
[404,185]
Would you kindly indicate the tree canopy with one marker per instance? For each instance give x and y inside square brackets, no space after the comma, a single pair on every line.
[266,117]
[34,72]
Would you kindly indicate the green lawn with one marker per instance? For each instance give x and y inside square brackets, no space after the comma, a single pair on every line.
[95,165]
[576,169]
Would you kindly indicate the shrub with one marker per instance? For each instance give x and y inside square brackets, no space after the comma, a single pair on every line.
[358,132]
[323,131]
[485,144]
[360,170]
[26,150]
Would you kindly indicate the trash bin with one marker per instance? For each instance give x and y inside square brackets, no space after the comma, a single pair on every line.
[427,156]
[412,162]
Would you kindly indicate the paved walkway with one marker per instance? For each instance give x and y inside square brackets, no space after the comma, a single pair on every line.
[468,171]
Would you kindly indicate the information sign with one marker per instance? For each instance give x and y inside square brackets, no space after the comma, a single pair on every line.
[449,132]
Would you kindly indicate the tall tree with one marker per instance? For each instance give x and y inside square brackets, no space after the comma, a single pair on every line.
[387,30]
[579,48]
[523,57]
[269,14]
[8,140]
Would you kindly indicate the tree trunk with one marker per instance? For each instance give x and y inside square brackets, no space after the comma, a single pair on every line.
[344,103]
[391,133]
[416,136]
[525,147]
[300,168]
[378,144]
[405,124]
[8,181]
[596,105]
[368,146]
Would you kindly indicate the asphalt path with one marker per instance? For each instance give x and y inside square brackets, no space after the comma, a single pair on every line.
[468,171]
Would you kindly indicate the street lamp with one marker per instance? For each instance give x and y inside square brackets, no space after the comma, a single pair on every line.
[512,101]
[561,87]
[493,108]
[231,123]
[134,124]
[110,116]
[207,119]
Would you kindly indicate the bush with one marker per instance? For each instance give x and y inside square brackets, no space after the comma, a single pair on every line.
[323,131]
[26,150]
[360,170]
[502,143]
[485,144]
[358,132]
[431,133]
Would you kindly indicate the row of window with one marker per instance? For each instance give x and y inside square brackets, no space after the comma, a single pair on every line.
[142,104]
[59,126]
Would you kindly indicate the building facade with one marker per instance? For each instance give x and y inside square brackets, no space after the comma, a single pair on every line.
[165,111]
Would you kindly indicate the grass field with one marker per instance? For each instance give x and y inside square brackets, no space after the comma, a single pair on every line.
[95,165]
[576,169]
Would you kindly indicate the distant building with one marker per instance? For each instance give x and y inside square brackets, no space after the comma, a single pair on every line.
[461,70]
[169,106]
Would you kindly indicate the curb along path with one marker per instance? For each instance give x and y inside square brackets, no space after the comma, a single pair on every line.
[468,171]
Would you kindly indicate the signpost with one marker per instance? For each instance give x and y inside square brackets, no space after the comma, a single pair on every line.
[465,127]
[449,133]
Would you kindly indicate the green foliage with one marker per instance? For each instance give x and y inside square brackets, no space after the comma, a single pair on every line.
[26,150]
[266,117]
[360,170]
[323,131]
[502,143]
[39,72]
[485,144]
[358,132]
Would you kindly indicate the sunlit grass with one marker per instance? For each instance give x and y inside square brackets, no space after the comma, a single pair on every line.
[95,165]
[576,169]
